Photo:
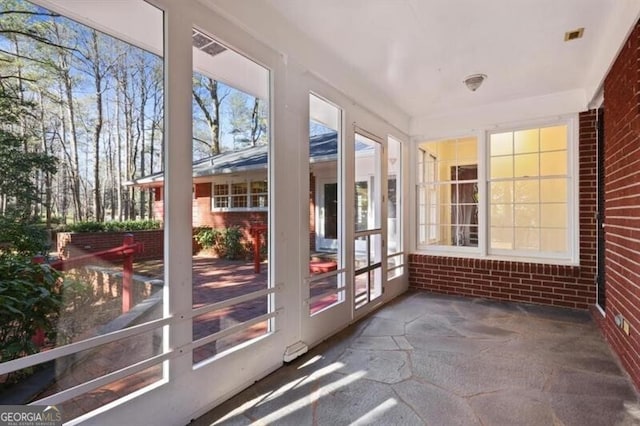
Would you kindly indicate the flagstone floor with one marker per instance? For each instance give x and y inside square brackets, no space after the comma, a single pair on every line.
[425,359]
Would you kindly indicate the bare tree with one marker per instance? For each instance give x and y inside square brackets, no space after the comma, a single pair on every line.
[208,97]
[65,80]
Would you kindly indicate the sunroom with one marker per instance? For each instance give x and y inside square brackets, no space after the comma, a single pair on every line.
[484,151]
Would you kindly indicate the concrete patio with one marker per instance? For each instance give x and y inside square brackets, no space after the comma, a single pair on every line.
[437,360]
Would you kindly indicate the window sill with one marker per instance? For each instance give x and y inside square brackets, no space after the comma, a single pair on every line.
[473,253]
[241,210]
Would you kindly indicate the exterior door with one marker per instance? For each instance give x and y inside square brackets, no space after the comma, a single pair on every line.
[324,295]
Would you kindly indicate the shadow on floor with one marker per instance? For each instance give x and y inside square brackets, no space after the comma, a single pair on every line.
[438,360]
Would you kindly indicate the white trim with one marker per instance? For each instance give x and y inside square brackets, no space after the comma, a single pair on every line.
[83,345]
[103,380]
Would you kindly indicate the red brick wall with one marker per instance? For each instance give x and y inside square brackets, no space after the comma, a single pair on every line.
[515,281]
[622,202]
[567,286]
[202,216]
[72,244]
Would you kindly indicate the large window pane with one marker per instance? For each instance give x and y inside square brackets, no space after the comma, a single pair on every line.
[540,190]
[231,197]
[394,207]
[326,285]
[368,211]
[368,193]
[83,156]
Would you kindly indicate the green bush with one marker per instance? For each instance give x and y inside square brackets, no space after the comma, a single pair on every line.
[85,227]
[227,243]
[209,238]
[80,304]
[30,300]
[20,237]
[233,247]
[114,226]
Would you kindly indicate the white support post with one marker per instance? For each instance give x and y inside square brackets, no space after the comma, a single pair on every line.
[178,183]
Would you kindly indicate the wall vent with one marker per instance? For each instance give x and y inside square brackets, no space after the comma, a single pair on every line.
[573,35]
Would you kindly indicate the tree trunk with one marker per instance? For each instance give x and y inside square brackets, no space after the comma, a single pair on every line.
[211,112]
[47,176]
[119,193]
[255,122]
[142,134]
[97,73]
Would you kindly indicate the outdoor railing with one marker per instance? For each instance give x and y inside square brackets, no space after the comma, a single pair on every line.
[125,252]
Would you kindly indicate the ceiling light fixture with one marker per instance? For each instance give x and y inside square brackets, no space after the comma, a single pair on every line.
[474,81]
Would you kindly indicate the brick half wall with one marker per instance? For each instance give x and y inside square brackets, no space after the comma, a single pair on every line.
[555,285]
[74,244]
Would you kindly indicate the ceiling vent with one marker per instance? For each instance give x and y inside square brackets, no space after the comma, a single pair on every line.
[573,35]
[206,43]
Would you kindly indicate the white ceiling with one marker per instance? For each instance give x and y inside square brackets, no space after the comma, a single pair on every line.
[417,52]
[414,54]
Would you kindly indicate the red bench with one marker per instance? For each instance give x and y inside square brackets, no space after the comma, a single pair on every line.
[320,266]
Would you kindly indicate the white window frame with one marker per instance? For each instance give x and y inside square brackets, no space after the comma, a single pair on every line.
[229,182]
[449,250]
[573,224]
[571,257]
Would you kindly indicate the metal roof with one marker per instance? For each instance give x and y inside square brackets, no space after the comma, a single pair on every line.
[322,148]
